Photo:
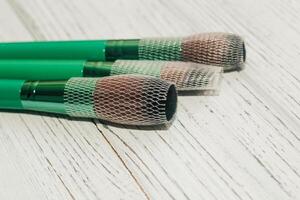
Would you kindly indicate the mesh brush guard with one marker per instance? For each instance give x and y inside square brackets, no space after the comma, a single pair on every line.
[186,75]
[219,49]
[124,99]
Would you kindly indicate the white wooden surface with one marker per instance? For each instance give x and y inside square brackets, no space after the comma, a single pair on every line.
[243,144]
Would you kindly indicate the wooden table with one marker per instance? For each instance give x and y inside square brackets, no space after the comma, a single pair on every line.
[242,144]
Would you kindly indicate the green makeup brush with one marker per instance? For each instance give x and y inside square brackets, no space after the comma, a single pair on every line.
[186,76]
[220,49]
[124,99]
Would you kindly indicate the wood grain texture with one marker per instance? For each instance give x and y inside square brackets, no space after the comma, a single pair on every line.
[243,144]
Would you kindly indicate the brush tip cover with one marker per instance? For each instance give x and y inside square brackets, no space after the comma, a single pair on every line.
[123,99]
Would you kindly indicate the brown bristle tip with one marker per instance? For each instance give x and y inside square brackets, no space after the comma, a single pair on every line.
[135,100]
[192,76]
[221,49]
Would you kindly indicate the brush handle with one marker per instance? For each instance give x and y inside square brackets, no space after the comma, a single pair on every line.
[10,94]
[52,69]
[93,50]
[41,69]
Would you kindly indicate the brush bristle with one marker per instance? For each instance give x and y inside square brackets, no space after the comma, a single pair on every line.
[124,99]
[135,100]
[186,75]
[220,49]
[192,76]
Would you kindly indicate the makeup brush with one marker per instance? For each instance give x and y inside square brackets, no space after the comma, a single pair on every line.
[220,49]
[186,75]
[124,99]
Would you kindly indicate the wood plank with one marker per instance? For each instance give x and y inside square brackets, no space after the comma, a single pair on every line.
[243,144]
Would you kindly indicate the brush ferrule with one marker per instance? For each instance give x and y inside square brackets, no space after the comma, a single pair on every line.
[121,49]
[46,96]
[97,69]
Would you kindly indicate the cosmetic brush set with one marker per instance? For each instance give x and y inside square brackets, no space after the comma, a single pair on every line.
[131,82]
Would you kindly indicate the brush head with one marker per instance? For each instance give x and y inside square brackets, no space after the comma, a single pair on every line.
[219,49]
[186,75]
[124,99]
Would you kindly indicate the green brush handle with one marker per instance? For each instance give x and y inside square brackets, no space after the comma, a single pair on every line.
[52,69]
[10,94]
[41,69]
[94,50]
